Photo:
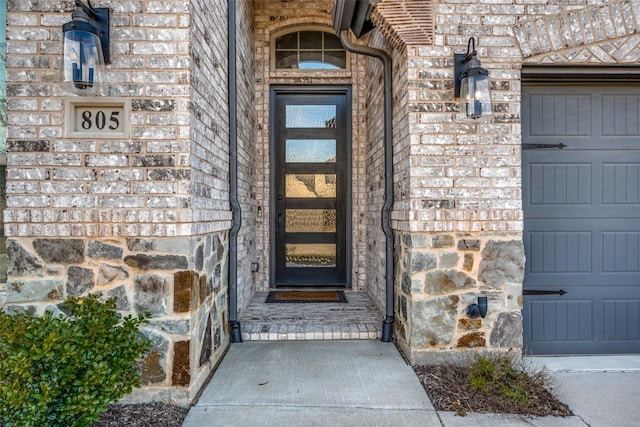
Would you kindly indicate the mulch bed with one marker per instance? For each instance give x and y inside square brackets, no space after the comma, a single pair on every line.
[142,415]
[448,389]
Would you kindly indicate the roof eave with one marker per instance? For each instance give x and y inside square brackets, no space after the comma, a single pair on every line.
[354,15]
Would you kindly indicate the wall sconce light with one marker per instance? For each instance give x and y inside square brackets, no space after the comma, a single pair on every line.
[85,49]
[472,85]
[479,309]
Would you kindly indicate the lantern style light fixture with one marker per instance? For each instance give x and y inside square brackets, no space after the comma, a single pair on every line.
[85,49]
[472,84]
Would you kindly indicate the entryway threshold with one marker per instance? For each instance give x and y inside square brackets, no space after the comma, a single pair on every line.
[358,319]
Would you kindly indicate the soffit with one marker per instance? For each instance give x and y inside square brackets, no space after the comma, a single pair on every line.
[405,22]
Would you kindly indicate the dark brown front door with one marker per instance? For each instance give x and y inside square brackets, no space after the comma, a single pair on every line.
[310,134]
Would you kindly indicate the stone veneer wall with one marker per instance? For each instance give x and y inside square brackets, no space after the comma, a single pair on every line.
[180,281]
[143,218]
[271,16]
[440,274]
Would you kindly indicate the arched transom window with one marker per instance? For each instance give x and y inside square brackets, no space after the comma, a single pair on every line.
[309,49]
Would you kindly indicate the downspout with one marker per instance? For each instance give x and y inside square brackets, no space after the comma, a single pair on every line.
[387,324]
[236,220]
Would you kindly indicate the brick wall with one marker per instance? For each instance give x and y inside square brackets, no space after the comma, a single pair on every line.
[375,178]
[246,151]
[593,32]
[138,186]
[210,113]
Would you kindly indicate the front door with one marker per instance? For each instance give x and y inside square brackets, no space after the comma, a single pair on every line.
[310,197]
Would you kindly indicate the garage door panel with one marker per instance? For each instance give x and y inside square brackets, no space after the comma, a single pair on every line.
[595,212]
[620,115]
[585,320]
[621,252]
[581,203]
[621,320]
[560,114]
[557,189]
[560,252]
[606,115]
[621,184]
[588,258]
[560,184]
[560,320]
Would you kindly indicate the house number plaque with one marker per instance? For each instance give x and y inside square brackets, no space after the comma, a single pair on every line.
[97,118]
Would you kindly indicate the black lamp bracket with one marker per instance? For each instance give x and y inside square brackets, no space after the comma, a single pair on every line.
[463,63]
[98,18]
[87,9]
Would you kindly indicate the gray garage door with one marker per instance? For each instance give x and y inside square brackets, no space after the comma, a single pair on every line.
[581,199]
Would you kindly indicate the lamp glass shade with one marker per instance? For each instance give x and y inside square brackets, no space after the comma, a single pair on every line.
[475,96]
[82,62]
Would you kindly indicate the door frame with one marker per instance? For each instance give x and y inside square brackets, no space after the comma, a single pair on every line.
[345,90]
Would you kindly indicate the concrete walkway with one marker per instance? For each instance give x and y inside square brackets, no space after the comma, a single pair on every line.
[367,383]
[313,383]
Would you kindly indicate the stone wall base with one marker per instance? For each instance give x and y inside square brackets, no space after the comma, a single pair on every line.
[181,281]
[439,275]
[439,357]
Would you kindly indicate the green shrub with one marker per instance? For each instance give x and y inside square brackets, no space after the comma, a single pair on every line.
[64,371]
[496,374]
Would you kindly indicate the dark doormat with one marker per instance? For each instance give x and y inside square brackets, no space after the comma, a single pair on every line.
[305,296]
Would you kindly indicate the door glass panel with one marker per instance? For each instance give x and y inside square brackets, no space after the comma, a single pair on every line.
[310,151]
[310,116]
[310,186]
[310,255]
[311,221]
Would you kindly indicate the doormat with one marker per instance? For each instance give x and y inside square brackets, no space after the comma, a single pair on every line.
[305,296]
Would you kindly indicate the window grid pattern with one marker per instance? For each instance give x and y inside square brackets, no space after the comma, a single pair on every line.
[311,50]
